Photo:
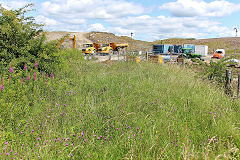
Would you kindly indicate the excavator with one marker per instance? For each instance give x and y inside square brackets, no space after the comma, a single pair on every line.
[74,44]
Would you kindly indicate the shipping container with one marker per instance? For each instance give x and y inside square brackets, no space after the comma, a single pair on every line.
[158,49]
[201,49]
[163,49]
[168,49]
[191,46]
[177,49]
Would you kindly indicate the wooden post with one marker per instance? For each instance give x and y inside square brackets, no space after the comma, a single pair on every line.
[118,55]
[238,91]
[228,89]
[183,63]
[147,55]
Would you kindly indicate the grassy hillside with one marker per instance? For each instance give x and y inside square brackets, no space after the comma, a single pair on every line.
[116,111]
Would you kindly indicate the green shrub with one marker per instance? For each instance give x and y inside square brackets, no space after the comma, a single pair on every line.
[23,41]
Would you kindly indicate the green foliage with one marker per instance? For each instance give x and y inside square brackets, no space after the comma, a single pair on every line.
[216,71]
[144,110]
[23,41]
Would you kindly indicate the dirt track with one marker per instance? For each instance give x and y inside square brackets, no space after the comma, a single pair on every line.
[81,38]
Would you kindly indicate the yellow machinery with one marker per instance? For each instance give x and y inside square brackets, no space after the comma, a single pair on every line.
[109,48]
[74,44]
[90,48]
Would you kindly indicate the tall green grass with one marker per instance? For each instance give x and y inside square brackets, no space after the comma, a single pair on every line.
[117,111]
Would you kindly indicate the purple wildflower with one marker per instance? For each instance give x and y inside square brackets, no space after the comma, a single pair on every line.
[6,143]
[36,64]
[25,66]
[7,154]
[35,76]
[10,69]
[52,75]
[2,87]
[66,144]
[38,138]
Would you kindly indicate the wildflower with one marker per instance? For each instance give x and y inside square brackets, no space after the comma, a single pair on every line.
[85,140]
[176,145]
[25,66]
[15,153]
[46,82]
[10,69]
[35,76]
[38,138]
[117,128]
[28,77]
[36,64]
[7,154]
[52,75]
[2,87]
[6,143]
[66,144]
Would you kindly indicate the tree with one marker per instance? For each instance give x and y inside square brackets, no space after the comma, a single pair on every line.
[22,40]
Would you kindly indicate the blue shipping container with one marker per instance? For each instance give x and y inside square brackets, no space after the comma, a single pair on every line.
[177,49]
[168,49]
[158,49]
[190,46]
[163,49]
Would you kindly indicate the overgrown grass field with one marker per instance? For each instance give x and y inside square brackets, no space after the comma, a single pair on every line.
[88,110]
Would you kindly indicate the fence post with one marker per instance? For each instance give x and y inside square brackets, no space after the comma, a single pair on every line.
[228,88]
[238,91]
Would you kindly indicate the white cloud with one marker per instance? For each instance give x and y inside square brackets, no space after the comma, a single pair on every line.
[192,8]
[13,4]
[97,27]
[91,9]
[191,18]
[162,27]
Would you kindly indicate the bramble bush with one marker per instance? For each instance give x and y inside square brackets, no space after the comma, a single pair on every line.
[23,41]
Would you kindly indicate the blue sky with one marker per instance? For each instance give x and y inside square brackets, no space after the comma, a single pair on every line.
[148,19]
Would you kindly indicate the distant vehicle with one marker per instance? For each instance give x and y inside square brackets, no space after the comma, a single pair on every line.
[219,53]
[110,47]
[188,54]
[90,48]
